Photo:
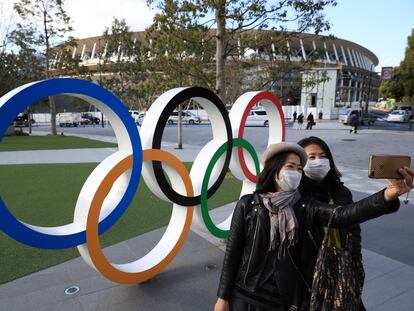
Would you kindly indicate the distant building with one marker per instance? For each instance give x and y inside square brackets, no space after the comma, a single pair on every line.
[347,66]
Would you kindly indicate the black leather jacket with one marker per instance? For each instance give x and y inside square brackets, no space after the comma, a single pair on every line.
[248,243]
[340,195]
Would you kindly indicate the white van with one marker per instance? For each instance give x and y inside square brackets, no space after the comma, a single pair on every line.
[69,119]
[346,113]
[257,117]
[187,117]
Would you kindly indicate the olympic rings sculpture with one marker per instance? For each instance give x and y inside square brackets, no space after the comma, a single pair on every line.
[109,189]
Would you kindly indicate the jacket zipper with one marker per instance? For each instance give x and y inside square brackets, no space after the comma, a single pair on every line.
[251,253]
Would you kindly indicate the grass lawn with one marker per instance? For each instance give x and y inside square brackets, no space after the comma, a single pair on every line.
[19,143]
[46,194]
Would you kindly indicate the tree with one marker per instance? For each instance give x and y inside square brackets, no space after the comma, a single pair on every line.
[178,52]
[233,19]
[401,86]
[407,69]
[393,88]
[6,24]
[47,26]
[8,69]
[119,54]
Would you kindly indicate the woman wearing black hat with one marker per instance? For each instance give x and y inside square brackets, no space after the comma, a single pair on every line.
[267,241]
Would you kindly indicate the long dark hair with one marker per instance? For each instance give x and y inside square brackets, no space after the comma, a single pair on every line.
[272,167]
[334,175]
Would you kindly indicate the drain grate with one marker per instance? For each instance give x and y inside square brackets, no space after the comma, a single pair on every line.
[71,290]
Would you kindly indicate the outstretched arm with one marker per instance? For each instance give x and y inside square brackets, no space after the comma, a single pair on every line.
[378,204]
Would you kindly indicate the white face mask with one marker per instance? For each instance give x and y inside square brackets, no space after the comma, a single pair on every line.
[317,169]
[289,180]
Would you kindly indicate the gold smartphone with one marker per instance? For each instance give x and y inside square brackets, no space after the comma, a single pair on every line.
[386,166]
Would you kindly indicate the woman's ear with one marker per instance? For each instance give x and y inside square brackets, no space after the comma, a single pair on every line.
[277,175]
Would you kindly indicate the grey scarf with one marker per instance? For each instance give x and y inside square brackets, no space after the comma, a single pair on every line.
[282,217]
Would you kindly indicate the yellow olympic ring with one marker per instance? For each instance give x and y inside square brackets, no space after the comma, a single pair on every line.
[144,268]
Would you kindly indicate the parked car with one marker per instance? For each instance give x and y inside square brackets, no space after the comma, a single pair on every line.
[22,120]
[346,113]
[69,119]
[398,116]
[257,117]
[88,118]
[187,117]
[409,108]
[368,118]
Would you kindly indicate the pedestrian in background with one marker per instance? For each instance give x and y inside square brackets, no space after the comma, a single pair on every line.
[295,115]
[300,120]
[354,122]
[311,121]
[320,116]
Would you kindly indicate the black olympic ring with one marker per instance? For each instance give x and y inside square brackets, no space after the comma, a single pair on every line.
[188,93]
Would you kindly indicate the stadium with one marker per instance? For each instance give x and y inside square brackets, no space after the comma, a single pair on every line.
[348,67]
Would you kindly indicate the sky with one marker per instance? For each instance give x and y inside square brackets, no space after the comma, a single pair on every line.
[382,26]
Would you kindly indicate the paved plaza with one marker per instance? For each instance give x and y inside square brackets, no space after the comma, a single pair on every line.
[190,281]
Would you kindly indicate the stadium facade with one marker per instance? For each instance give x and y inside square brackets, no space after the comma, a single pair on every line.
[348,68]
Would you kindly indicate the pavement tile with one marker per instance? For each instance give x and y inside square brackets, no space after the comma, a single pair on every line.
[367,255]
[145,243]
[137,305]
[108,297]
[14,303]
[93,284]
[34,282]
[69,305]
[383,288]
[49,295]
[43,298]
[403,302]
[384,264]
[79,270]
[87,155]
[118,253]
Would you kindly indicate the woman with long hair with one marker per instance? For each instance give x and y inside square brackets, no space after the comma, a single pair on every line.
[322,181]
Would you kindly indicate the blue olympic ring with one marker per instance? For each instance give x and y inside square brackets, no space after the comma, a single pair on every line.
[34,92]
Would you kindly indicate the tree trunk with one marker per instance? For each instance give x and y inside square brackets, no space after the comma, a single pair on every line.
[180,127]
[29,120]
[220,49]
[180,118]
[52,105]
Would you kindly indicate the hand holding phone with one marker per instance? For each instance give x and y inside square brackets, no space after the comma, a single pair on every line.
[397,187]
